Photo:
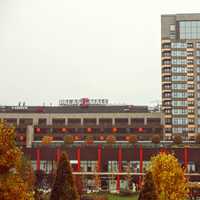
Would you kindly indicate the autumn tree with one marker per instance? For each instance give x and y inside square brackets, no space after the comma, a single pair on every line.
[148,191]
[177,139]
[26,172]
[68,139]
[79,184]
[155,139]
[97,178]
[13,186]
[132,139]
[110,139]
[64,186]
[169,178]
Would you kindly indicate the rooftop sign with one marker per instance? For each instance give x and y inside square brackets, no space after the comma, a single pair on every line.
[83,102]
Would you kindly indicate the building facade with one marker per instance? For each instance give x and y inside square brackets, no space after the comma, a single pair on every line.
[96,121]
[113,163]
[180,59]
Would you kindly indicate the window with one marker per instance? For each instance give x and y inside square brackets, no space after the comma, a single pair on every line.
[191,86]
[121,121]
[179,61]
[189,45]
[179,69]
[72,121]
[191,121]
[166,62]
[26,121]
[172,27]
[180,103]
[198,45]
[60,121]
[198,77]
[178,45]
[198,69]
[105,121]
[179,95]
[190,53]
[189,29]
[137,121]
[179,121]
[179,53]
[190,94]
[153,120]
[190,62]
[180,130]
[198,61]
[190,111]
[166,54]
[89,121]
[166,46]
[179,86]
[167,94]
[190,70]
[166,86]
[197,53]
[168,121]
[179,112]
[42,121]
[12,121]
[179,78]
[166,78]
[190,78]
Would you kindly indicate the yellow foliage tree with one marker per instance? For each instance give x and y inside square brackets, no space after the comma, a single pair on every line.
[12,185]
[170,181]
[47,139]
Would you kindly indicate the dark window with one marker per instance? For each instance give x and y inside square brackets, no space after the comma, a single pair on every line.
[72,121]
[11,121]
[89,121]
[105,121]
[42,121]
[137,121]
[153,120]
[121,121]
[58,121]
[26,121]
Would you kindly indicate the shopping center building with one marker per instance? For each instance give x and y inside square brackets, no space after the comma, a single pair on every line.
[97,120]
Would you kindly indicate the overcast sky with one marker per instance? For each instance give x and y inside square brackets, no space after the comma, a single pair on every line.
[57,49]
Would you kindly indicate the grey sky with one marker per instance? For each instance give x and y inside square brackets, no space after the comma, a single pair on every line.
[51,49]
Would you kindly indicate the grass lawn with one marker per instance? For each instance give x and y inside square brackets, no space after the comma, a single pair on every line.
[117,197]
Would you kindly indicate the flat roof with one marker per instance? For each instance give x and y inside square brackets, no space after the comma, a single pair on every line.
[75,109]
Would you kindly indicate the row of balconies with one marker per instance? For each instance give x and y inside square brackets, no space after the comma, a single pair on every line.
[91,129]
[85,122]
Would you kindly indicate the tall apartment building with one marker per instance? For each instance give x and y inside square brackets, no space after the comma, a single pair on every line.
[180,55]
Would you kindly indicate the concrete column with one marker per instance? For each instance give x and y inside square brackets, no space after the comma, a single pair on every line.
[66,121]
[113,121]
[97,121]
[145,121]
[129,121]
[81,121]
[35,121]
